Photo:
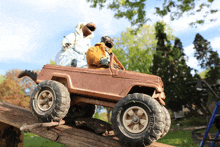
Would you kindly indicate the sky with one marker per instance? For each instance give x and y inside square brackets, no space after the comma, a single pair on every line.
[31,32]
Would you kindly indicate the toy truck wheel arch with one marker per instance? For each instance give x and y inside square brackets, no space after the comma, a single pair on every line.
[152,91]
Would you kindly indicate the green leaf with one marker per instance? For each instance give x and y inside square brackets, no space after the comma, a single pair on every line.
[200,21]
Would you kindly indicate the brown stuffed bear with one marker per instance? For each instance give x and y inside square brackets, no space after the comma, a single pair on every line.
[98,57]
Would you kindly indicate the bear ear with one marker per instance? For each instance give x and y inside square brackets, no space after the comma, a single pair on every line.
[81,26]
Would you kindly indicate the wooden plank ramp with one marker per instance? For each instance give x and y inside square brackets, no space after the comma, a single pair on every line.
[13,117]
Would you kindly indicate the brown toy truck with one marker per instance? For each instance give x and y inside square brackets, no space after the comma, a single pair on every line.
[138,118]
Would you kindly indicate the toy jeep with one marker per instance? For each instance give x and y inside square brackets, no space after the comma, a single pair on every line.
[138,118]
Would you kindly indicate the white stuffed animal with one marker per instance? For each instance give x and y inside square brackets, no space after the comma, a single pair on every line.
[75,46]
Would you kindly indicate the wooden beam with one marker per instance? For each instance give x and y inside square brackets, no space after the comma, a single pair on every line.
[69,135]
[11,136]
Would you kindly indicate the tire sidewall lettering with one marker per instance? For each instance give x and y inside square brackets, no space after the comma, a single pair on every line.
[151,123]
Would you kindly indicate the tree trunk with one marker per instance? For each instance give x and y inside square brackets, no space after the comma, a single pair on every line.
[109,114]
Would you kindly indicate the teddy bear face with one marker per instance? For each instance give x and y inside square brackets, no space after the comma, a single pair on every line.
[88,29]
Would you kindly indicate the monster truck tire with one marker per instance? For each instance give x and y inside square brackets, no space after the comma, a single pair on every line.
[81,111]
[167,121]
[50,101]
[137,120]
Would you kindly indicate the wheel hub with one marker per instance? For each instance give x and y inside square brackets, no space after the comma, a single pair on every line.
[45,100]
[135,119]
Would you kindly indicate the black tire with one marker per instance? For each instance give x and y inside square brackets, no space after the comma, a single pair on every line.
[152,114]
[167,121]
[81,111]
[50,101]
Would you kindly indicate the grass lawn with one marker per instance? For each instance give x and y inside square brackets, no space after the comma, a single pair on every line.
[182,138]
[178,138]
[32,140]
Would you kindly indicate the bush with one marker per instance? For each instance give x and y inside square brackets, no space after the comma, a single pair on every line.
[190,122]
[194,121]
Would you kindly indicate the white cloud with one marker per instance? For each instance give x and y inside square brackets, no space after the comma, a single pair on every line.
[81,10]
[199,15]
[13,47]
[215,43]
[104,19]
[179,25]
[208,24]
[192,61]
[189,51]
[46,5]
[182,24]
[15,40]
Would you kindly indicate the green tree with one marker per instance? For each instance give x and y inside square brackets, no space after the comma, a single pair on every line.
[135,52]
[136,12]
[202,49]
[169,63]
[208,58]
[214,68]
[52,62]
[203,73]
